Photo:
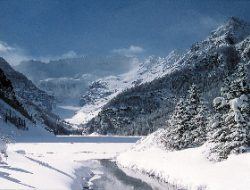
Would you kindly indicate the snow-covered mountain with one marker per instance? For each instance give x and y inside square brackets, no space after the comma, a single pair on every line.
[69,78]
[67,87]
[146,107]
[12,111]
[25,89]
[24,105]
[104,89]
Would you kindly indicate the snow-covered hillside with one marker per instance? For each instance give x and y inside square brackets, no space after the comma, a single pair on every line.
[189,169]
[200,148]
[25,89]
[104,89]
[143,71]
[146,107]
[24,105]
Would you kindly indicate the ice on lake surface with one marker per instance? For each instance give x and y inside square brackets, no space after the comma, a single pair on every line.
[58,157]
[76,162]
[79,139]
[104,174]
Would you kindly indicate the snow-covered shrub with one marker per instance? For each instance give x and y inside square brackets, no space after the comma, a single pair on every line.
[229,129]
[187,126]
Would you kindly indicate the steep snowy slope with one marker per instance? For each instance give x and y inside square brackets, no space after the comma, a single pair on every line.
[104,89]
[13,115]
[146,107]
[10,103]
[23,104]
[25,89]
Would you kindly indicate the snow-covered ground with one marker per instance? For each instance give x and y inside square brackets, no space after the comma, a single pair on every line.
[189,168]
[54,162]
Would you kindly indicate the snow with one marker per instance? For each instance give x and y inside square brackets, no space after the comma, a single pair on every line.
[86,113]
[142,72]
[55,162]
[3,148]
[189,168]
[219,102]
[152,140]
[236,105]
[38,160]
[35,131]
[36,155]
[94,134]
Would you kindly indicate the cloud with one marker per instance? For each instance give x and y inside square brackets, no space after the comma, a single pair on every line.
[14,55]
[130,51]
[70,54]
[5,47]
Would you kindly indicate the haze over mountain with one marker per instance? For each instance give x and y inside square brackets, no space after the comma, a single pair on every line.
[125,94]
[68,78]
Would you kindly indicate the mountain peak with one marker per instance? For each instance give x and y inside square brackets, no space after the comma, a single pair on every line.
[2,60]
[235,21]
[234,28]
[4,65]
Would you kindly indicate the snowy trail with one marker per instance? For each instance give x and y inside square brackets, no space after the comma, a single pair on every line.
[53,163]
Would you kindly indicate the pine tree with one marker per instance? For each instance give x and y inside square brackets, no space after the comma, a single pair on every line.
[201,122]
[229,131]
[177,125]
[198,118]
[186,127]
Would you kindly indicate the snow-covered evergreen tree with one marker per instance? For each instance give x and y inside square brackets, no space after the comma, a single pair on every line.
[201,122]
[177,125]
[229,130]
[187,126]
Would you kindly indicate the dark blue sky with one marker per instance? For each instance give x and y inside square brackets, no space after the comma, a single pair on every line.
[54,27]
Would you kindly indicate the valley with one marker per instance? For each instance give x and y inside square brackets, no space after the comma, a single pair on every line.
[164,105]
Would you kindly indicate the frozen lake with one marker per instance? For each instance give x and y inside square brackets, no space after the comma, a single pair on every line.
[104,174]
[72,162]
[78,139]
[57,159]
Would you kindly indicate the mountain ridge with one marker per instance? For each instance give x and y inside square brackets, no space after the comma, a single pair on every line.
[104,89]
[144,108]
